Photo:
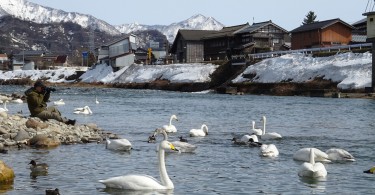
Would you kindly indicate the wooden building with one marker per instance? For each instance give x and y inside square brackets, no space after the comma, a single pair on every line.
[218,45]
[322,34]
[261,37]
[188,45]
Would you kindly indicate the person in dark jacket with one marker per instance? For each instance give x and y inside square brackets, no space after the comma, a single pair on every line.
[37,98]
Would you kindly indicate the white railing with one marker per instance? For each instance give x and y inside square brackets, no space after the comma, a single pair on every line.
[306,51]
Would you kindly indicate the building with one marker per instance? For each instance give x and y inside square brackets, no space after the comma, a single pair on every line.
[322,34]
[188,45]
[4,61]
[359,34]
[118,53]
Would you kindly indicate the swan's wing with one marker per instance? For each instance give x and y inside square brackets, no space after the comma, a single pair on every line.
[269,150]
[257,131]
[306,170]
[197,133]
[78,109]
[119,144]
[184,146]
[133,182]
[337,154]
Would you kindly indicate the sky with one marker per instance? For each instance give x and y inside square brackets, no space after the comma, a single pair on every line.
[351,71]
[288,14]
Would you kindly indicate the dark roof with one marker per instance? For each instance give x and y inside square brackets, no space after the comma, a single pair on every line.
[61,59]
[320,25]
[194,35]
[226,31]
[257,26]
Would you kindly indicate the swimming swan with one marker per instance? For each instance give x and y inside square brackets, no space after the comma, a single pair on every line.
[59,102]
[337,154]
[269,150]
[203,131]
[304,155]
[179,145]
[118,144]
[85,110]
[96,100]
[145,182]
[256,131]
[171,128]
[265,135]
[312,169]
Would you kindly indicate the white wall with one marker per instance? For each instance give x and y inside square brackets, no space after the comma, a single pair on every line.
[125,60]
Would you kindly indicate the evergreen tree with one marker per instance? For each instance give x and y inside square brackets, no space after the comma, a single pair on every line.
[310,18]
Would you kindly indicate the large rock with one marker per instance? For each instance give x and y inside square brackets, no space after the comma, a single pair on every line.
[6,174]
[43,141]
[22,135]
[32,123]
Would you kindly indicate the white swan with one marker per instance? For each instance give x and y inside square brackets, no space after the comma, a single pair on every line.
[269,150]
[312,169]
[337,154]
[85,110]
[118,144]
[203,131]
[246,138]
[59,102]
[171,128]
[145,182]
[18,101]
[304,155]
[256,131]
[179,145]
[96,100]
[265,135]
[4,109]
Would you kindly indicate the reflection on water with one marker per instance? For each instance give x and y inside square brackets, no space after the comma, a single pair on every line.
[216,166]
[133,192]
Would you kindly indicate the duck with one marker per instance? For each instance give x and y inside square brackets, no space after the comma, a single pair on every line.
[182,139]
[312,169]
[337,154]
[304,155]
[118,144]
[203,131]
[145,182]
[371,171]
[254,143]
[236,141]
[151,139]
[41,167]
[269,150]
[59,102]
[52,192]
[256,131]
[85,110]
[266,136]
[171,128]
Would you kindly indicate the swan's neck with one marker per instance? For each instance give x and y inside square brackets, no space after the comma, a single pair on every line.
[204,129]
[165,135]
[170,121]
[264,126]
[165,181]
[312,159]
[253,125]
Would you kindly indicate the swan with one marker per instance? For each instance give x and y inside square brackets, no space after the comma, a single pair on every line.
[38,167]
[336,154]
[59,102]
[246,138]
[265,135]
[371,171]
[312,169]
[85,110]
[18,101]
[269,150]
[96,100]
[256,131]
[179,145]
[304,155]
[203,131]
[145,182]
[171,128]
[4,109]
[118,144]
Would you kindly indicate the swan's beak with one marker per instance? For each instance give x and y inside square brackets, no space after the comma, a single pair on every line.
[173,148]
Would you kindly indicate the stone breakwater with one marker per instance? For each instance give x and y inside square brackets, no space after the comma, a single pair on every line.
[19,131]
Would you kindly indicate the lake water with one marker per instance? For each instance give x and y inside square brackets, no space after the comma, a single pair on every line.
[217,166]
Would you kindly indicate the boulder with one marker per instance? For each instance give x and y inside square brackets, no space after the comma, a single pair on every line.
[43,141]
[6,174]
[22,135]
[32,123]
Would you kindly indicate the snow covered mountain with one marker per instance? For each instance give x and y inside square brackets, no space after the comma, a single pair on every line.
[29,11]
[198,22]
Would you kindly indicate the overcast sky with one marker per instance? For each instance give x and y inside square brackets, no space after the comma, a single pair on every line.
[288,14]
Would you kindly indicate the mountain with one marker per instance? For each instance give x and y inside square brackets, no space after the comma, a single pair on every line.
[29,11]
[198,22]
